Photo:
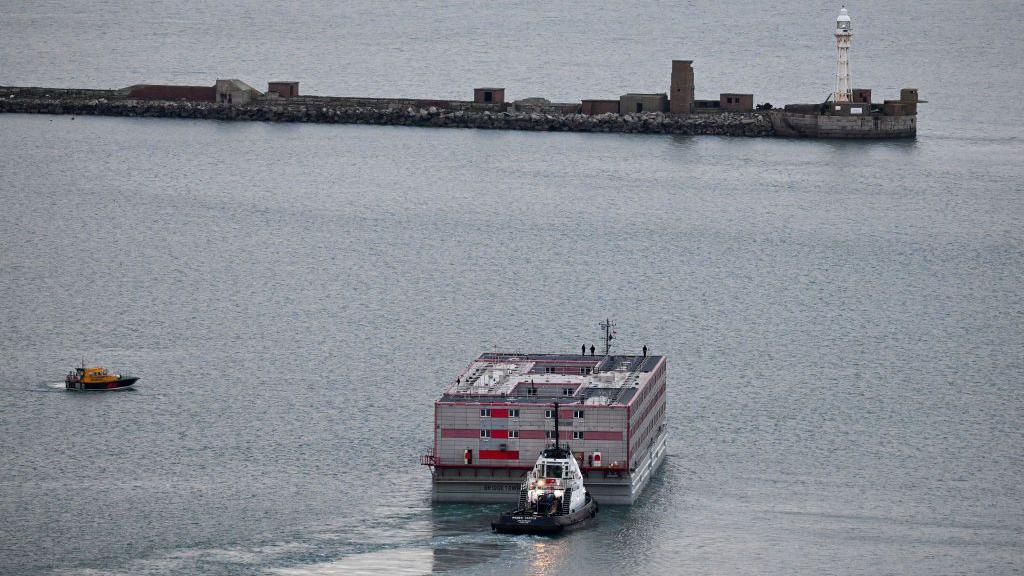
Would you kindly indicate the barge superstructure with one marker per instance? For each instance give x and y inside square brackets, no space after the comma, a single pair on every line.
[493,420]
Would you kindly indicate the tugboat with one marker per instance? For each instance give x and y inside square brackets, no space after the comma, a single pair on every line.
[552,498]
[96,378]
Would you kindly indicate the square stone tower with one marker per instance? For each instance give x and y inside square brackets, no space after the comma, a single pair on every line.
[681,94]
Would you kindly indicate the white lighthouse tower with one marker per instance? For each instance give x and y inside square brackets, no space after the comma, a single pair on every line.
[844,87]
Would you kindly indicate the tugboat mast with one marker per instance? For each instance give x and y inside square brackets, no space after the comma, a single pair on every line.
[556,426]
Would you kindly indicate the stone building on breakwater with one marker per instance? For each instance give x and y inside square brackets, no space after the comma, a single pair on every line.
[237,92]
[231,99]
[849,114]
[387,112]
[225,91]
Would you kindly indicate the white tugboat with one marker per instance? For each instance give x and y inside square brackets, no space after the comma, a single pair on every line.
[552,498]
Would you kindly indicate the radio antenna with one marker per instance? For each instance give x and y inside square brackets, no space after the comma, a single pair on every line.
[609,334]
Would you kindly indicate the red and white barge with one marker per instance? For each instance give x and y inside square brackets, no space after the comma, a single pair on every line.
[495,418]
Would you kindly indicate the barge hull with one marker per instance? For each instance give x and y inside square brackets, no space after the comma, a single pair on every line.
[480,486]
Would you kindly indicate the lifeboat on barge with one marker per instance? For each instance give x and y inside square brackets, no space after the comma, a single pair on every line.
[97,378]
[552,499]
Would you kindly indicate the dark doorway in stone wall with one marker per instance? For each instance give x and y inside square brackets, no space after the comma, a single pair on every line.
[639,107]
[488,96]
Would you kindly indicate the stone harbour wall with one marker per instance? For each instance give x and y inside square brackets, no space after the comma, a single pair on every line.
[378,112]
[809,125]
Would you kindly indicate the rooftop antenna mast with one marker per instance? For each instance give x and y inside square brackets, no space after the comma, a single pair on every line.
[609,334]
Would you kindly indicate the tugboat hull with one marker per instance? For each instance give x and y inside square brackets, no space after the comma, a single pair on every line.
[527,522]
[115,385]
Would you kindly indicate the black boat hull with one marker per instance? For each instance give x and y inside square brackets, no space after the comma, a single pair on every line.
[526,522]
[115,385]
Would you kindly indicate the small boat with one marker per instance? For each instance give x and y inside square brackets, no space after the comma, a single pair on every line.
[96,378]
[552,498]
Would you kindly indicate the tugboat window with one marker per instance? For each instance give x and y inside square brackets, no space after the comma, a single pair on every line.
[553,471]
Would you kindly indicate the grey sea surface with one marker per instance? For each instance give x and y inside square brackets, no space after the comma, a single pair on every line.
[843,320]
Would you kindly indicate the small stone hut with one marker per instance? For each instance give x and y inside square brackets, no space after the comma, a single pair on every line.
[736,102]
[489,95]
[283,89]
[636,103]
[595,107]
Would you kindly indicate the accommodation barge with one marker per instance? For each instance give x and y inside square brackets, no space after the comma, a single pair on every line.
[494,419]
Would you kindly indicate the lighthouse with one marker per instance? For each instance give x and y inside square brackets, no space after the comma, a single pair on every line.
[844,87]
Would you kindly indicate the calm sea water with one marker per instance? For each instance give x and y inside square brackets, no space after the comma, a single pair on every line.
[843,320]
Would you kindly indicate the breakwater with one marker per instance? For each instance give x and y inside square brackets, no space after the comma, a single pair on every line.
[329,110]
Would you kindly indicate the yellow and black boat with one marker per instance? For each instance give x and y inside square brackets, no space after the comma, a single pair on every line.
[96,378]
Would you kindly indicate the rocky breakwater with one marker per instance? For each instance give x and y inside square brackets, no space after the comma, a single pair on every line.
[324,110]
